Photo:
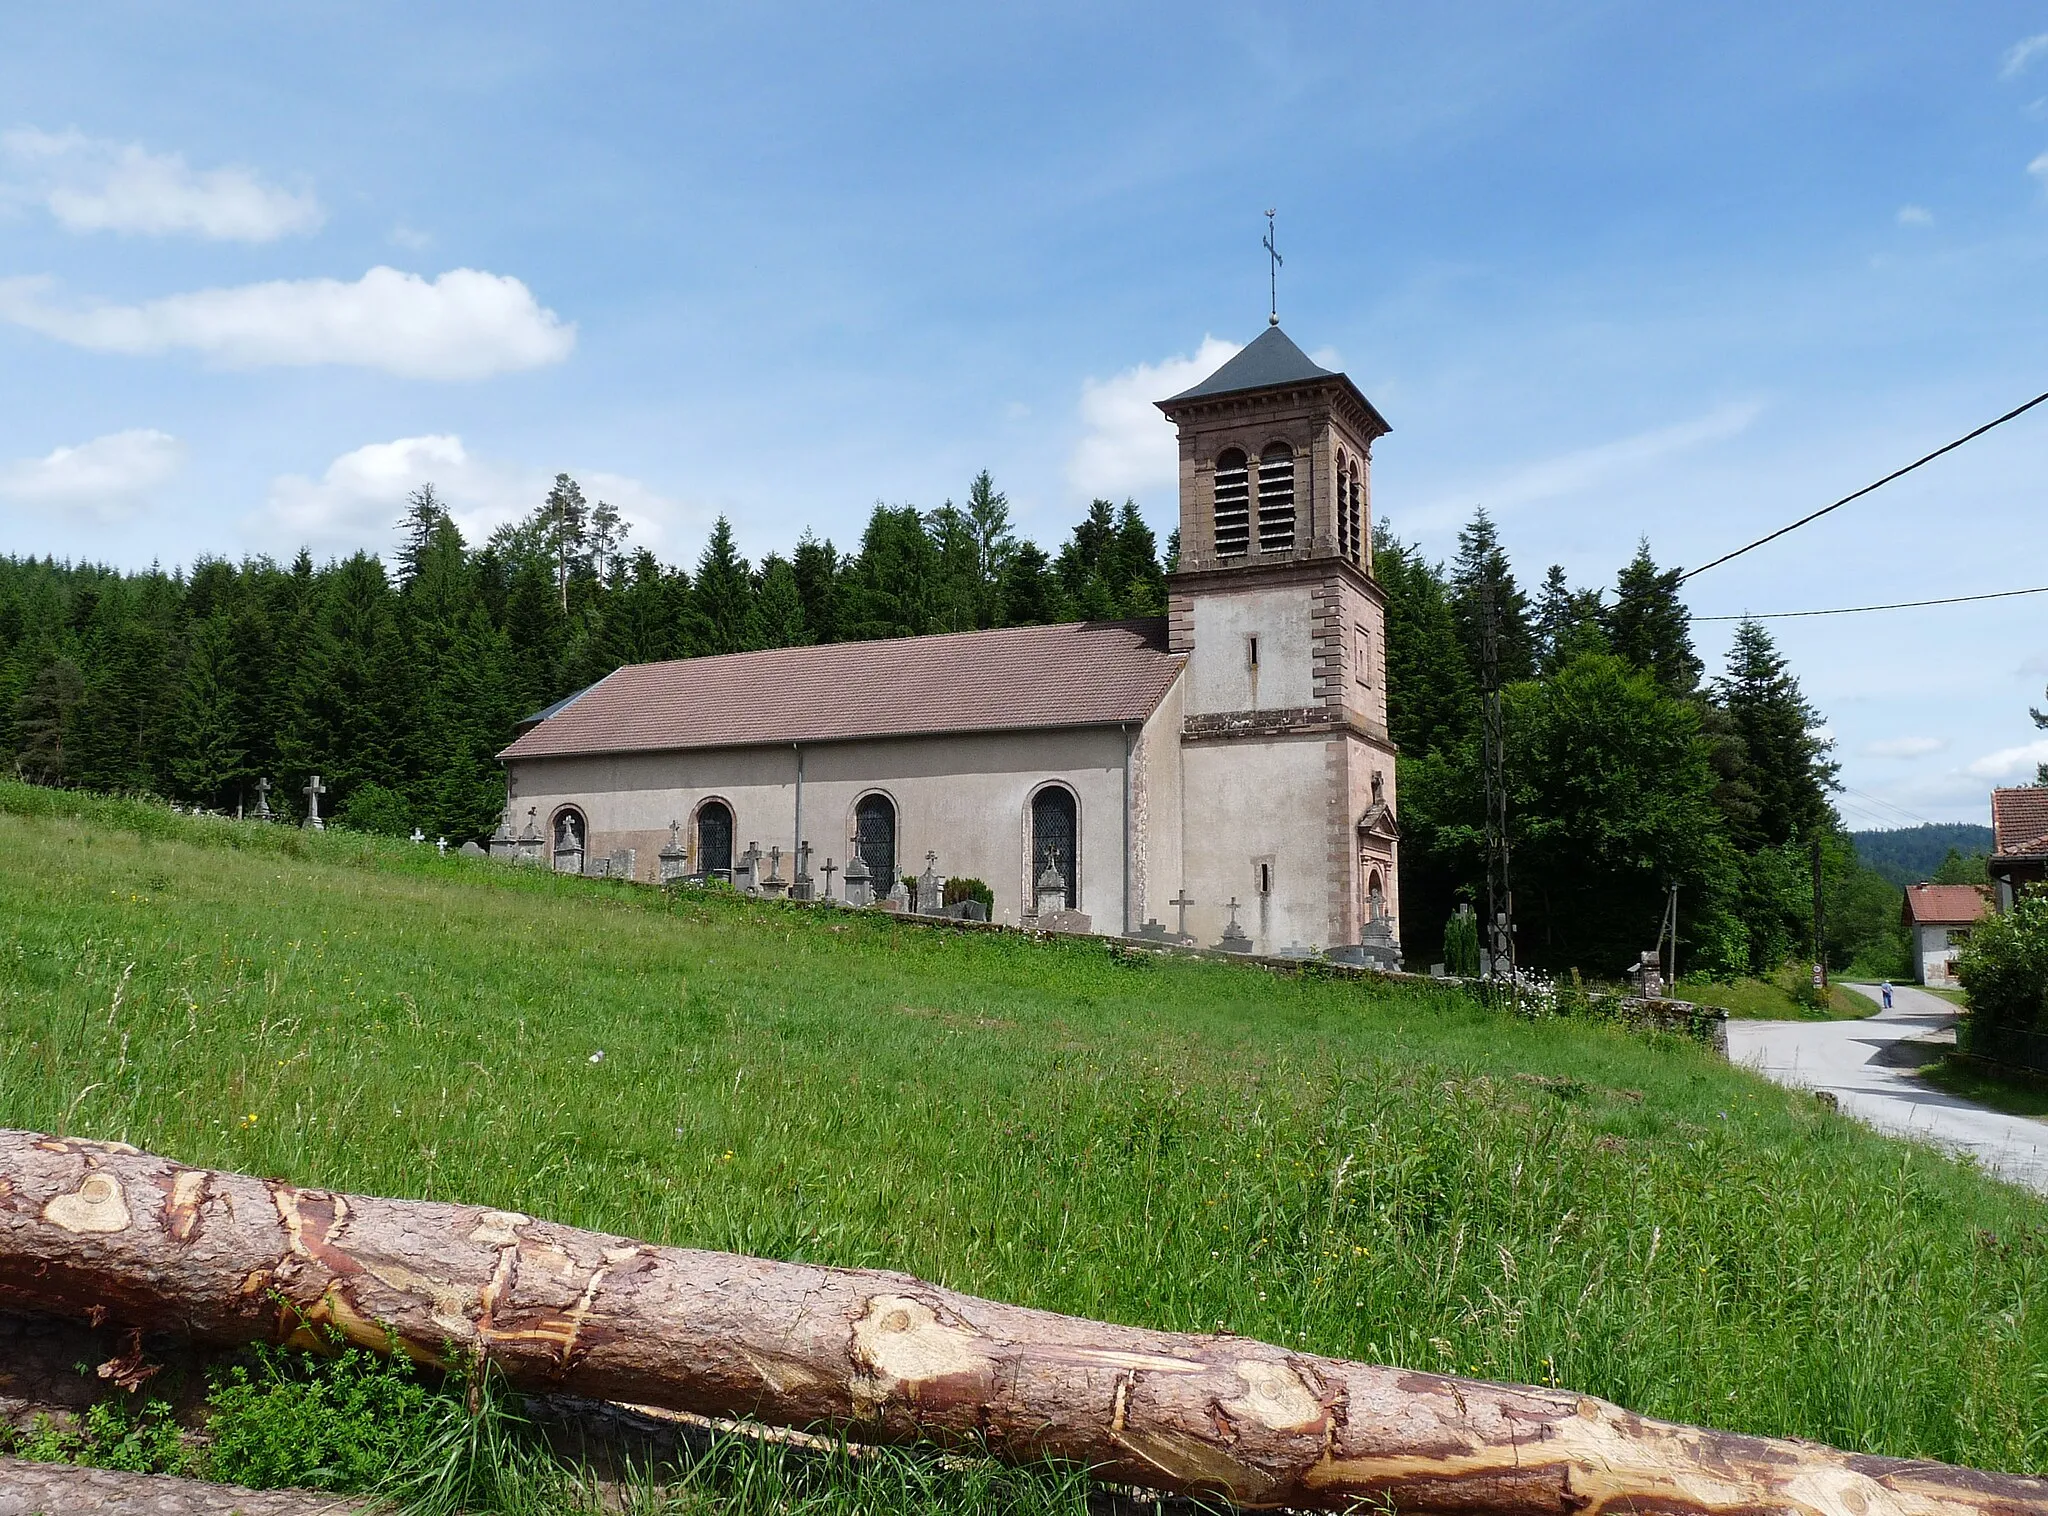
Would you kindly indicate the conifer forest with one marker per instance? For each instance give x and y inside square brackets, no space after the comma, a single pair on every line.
[1630,767]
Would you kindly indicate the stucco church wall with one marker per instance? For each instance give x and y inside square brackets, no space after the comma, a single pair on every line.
[1156,797]
[965,797]
[1220,674]
[1249,811]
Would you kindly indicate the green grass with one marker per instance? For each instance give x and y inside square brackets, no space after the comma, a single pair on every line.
[1357,1169]
[1773,999]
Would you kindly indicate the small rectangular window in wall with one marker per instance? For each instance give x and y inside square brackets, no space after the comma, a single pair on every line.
[1361,655]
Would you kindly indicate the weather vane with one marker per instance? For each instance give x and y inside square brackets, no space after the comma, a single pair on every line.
[1272,275]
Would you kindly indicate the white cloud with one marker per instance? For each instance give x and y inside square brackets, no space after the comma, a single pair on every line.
[108,477]
[1904,747]
[2039,168]
[467,324]
[1915,215]
[92,185]
[2022,53]
[2015,763]
[358,500]
[1572,473]
[410,237]
[1127,447]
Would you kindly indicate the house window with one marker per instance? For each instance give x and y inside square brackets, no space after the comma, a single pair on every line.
[1276,499]
[1233,505]
[1055,839]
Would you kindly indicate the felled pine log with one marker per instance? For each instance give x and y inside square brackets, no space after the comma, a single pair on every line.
[104,1232]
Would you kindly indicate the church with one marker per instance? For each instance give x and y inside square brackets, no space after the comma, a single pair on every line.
[1223,775]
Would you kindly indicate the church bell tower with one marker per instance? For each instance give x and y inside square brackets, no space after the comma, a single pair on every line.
[1288,768]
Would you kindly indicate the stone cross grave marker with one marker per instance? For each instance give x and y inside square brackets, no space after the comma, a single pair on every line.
[313,791]
[417,836]
[263,799]
[440,845]
[828,871]
[1183,900]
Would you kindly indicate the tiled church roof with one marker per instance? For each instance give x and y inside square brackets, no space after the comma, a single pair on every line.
[1087,673]
[2019,821]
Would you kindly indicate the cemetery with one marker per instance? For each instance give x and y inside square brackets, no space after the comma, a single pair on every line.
[1069,1127]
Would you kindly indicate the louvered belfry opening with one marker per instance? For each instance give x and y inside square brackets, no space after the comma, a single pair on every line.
[1276,499]
[1350,510]
[1233,505]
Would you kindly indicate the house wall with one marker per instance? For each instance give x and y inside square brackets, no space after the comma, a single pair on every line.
[1933,957]
[965,797]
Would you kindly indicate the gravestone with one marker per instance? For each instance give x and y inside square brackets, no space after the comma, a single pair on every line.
[503,845]
[1066,923]
[828,871]
[313,791]
[417,836]
[1051,894]
[530,846]
[802,887]
[773,885]
[569,850]
[746,870]
[469,849]
[899,897]
[1234,938]
[931,889]
[441,846]
[969,909]
[860,881]
[263,811]
[673,860]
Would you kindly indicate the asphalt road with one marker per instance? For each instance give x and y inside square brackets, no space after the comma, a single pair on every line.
[1857,1062]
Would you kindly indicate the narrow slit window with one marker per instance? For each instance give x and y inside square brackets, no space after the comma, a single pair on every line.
[1233,505]
[1276,499]
[1362,651]
[1265,879]
[1251,646]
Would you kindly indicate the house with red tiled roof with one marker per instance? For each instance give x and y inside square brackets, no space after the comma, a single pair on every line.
[1939,918]
[2019,841]
[1222,775]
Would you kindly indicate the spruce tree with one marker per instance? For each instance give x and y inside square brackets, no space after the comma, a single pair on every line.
[207,749]
[1567,622]
[958,594]
[1030,589]
[722,602]
[888,589]
[779,605]
[424,514]
[1432,700]
[1143,582]
[995,543]
[1649,626]
[1482,564]
[1785,764]
[817,570]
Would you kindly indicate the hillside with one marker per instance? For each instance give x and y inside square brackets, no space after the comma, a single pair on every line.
[1908,855]
[1384,1173]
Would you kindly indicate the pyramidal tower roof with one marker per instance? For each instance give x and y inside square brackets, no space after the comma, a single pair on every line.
[1271,358]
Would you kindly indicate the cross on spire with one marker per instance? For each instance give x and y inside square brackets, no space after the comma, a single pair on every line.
[1274,260]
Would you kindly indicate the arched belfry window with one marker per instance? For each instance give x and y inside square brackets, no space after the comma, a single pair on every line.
[1276,499]
[1346,530]
[1351,512]
[1055,840]
[874,838]
[714,840]
[1233,505]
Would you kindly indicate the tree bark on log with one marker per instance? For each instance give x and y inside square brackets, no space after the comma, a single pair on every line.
[64,1489]
[101,1231]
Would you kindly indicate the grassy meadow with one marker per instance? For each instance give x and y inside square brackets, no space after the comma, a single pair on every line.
[1382,1172]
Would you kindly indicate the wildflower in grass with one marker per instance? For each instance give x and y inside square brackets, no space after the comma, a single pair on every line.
[598,1056]
[247,1121]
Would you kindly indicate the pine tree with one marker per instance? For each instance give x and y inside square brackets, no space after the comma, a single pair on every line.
[207,751]
[424,514]
[779,605]
[817,569]
[1431,699]
[1482,565]
[44,721]
[722,603]
[608,534]
[995,543]
[567,520]
[1143,589]
[1030,589]
[958,594]
[1649,626]
[1785,764]
[1567,622]
[888,590]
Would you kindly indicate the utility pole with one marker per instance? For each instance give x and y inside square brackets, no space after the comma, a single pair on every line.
[1820,945]
[1500,900]
[1667,933]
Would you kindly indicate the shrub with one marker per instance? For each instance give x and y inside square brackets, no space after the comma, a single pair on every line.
[373,808]
[958,890]
[1461,944]
[2004,966]
[300,1421]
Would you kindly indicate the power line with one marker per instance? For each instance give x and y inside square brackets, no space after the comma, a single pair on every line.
[1896,605]
[1859,494]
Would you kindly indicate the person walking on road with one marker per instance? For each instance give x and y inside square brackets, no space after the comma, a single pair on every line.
[1885,991]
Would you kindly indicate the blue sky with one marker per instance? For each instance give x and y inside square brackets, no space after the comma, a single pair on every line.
[1611,270]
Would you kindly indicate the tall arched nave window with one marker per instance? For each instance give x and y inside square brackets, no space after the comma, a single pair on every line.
[1276,499]
[1233,505]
